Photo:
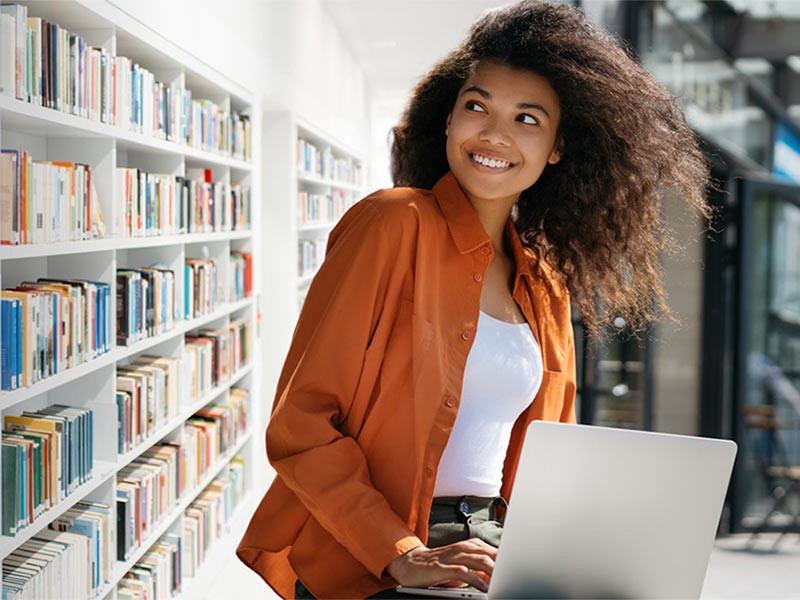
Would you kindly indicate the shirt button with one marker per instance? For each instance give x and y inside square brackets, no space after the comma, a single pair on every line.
[466,336]
[477,276]
[450,401]
[485,251]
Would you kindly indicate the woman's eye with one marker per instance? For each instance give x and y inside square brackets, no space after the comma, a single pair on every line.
[528,119]
[474,106]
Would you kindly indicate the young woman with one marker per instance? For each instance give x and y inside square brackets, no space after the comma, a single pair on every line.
[530,161]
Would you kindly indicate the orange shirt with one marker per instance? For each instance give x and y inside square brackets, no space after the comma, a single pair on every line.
[371,385]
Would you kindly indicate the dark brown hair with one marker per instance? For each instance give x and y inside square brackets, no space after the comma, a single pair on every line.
[595,215]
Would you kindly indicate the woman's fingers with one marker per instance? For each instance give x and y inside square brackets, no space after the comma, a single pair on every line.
[470,562]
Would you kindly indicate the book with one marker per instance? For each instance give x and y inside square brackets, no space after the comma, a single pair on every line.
[49,555]
[9,192]
[94,521]
[145,303]
[16,16]
[200,287]
[241,275]
[11,461]
[5,344]
[8,77]
[55,454]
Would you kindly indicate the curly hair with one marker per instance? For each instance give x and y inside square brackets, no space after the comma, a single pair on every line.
[595,215]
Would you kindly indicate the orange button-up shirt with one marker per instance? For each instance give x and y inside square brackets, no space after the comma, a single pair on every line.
[371,386]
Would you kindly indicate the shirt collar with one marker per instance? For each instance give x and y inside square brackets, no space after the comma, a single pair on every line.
[465,227]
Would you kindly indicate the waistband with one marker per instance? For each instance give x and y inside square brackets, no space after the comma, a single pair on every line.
[468,504]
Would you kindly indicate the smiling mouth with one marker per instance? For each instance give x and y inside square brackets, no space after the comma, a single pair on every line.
[490,163]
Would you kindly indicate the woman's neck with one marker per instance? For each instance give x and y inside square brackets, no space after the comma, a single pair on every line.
[493,215]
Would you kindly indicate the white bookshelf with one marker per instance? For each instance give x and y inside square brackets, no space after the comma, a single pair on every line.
[346,188]
[48,134]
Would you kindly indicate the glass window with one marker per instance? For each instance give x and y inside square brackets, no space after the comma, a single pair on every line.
[713,92]
[771,399]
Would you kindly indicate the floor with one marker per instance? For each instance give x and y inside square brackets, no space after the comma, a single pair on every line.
[734,572]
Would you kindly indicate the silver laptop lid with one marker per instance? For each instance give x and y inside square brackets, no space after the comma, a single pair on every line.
[599,512]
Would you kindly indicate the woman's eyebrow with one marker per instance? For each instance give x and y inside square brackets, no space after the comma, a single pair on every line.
[479,90]
[521,105]
[527,106]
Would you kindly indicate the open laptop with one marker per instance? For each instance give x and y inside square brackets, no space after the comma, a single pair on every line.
[608,513]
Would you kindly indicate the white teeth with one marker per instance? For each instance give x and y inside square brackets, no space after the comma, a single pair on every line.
[490,162]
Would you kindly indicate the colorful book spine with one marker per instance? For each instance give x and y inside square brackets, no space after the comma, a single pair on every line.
[316,209]
[325,164]
[53,325]
[155,204]
[310,254]
[148,396]
[146,304]
[207,518]
[55,68]
[229,349]
[47,455]
[47,201]
[241,275]
[200,287]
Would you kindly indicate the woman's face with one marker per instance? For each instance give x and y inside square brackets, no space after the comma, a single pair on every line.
[501,133]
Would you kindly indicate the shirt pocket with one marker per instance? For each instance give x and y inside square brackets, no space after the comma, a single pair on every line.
[408,346]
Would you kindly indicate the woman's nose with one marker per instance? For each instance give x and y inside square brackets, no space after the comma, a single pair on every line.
[495,132]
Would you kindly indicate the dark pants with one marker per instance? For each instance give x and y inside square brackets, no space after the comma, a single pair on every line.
[451,520]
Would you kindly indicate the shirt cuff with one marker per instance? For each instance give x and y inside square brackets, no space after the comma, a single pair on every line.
[402,546]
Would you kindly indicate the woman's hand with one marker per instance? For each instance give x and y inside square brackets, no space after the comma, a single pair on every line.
[470,562]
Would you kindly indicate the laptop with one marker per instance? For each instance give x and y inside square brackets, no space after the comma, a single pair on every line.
[598,512]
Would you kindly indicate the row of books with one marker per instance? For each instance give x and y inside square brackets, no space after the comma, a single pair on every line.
[47,201]
[56,68]
[325,164]
[146,304]
[148,396]
[322,208]
[221,353]
[158,574]
[75,557]
[52,564]
[50,325]
[241,275]
[199,287]
[310,254]
[220,424]
[207,518]
[95,521]
[162,571]
[146,490]
[151,485]
[46,455]
[155,204]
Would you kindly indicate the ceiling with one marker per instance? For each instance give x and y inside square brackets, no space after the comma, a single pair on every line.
[397,41]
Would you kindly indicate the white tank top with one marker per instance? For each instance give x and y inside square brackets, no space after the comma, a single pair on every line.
[502,375]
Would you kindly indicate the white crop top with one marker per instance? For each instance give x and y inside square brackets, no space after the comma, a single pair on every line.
[502,375]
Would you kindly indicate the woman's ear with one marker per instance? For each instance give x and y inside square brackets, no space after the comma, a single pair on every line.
[555,155]
[447,124]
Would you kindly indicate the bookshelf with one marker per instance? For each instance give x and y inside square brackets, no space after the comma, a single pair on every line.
[49,134]
[328,179]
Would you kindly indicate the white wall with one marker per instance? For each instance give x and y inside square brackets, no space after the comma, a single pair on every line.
[288,50]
